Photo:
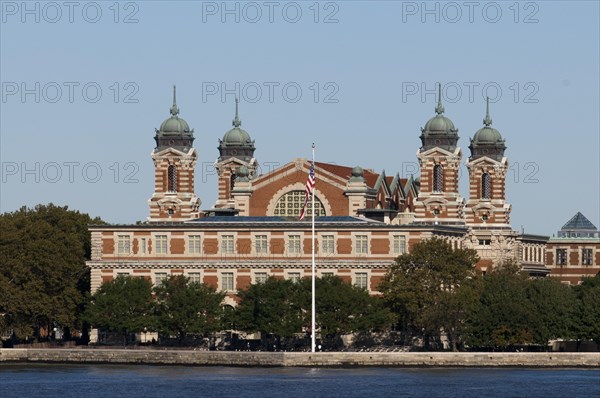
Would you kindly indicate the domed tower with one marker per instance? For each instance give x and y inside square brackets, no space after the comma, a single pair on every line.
[439,201]
[487,177]
[236,149]
[174,159]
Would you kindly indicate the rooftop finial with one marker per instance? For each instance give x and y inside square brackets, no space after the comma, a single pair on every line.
[174,108]
[487,121]
[439,109]
[236,121]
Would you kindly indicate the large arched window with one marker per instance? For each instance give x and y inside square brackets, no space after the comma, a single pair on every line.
[486,186]
[290,205]
[172,179]
[438,178]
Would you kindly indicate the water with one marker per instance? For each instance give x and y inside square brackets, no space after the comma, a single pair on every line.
[95,381]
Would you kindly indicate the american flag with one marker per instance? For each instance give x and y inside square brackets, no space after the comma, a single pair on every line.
[310,185]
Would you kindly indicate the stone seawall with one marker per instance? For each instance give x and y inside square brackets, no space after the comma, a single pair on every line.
[305,359]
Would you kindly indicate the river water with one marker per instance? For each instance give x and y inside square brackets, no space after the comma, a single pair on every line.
[95,381]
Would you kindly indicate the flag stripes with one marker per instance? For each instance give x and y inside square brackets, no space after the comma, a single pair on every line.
[310,185]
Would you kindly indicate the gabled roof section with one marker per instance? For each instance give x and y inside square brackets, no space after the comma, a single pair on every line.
[345,172]
[381,179]
[408,184]
[393,182]
[579,221]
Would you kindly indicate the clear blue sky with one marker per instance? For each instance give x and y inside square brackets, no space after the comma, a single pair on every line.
[366,71]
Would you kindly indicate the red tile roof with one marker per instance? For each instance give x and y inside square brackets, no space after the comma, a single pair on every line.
[345,172]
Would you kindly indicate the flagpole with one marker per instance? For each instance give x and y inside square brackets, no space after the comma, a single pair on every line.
[314,311]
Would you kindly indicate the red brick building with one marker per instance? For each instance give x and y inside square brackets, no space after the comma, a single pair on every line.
[364,218]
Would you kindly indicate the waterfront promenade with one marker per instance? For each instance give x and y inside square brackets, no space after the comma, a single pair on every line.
[300,359]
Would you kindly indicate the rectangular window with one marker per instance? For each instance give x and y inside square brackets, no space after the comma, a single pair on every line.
[561,256]
[123,244]
[362,244]
[326,274]
[260,244]
[227,281]
[159,277]
[485,242]
[260,277]
[143,246]
[399,244]
[328,244]
[294,244]
[294,276]
[161,244]
[361,280]
[586,256]
[194,243]
[227,244]
[123,274]
[195,277]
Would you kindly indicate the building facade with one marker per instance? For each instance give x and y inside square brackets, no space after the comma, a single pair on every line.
[364,219]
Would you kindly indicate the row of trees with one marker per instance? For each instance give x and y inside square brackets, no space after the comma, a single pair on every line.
[278,308]
[174,308]
[431,296]
[438,295]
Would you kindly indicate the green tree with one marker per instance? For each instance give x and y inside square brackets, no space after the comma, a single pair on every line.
[342,308]
[123,305]
[555,308]
[274,307]
[183,307]
[588,309]
[43,276]
[504,316]
[451,309]
[425,289]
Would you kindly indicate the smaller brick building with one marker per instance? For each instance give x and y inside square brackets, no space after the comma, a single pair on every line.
[575,252]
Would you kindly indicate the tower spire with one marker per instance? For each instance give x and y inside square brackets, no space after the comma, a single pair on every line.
[487,121]
[174,108]
[236,121]
[439,108]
